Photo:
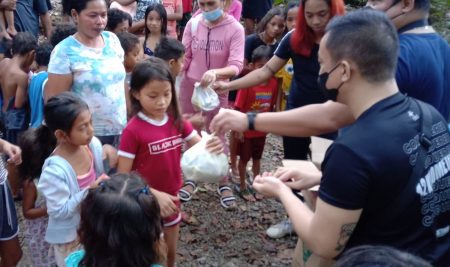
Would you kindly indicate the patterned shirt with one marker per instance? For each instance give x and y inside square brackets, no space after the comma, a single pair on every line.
[98,78]
[3,172]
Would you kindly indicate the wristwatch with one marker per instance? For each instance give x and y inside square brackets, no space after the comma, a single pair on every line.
[251,120]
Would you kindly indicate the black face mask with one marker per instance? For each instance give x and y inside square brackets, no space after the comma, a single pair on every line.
[330,94]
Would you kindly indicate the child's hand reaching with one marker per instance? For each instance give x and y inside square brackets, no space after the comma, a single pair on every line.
[214,145]
[197,120]
[110,153]
[100,179]
[166,203]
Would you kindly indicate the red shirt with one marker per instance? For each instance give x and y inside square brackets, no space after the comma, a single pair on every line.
[260,98]
[155,147]
[187,6]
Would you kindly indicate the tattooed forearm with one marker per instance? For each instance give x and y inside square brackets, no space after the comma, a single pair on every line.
[346,232]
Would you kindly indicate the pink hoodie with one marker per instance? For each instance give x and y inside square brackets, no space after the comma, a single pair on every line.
[226,46]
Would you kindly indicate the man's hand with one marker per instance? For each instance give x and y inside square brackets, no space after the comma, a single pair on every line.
[297,179]
[227,120]
[270,186]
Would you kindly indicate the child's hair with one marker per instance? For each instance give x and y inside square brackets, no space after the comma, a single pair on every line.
[61,32]
[276,11]
[121,224]
[43,52]
[158,8]
[149,70]
[116,16]
[262,52]
[289,6]
[128,41]
[169,48]
[62,110]
[23,43]
[37,144]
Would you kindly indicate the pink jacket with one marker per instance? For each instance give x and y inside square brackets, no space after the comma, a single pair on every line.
[225,40]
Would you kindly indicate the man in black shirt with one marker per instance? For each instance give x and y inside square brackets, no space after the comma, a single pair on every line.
[369,192]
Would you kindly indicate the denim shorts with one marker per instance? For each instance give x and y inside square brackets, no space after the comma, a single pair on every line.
[9,227]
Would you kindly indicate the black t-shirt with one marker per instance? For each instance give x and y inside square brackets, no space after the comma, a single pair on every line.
[252,42]
[369,167]
[304,89]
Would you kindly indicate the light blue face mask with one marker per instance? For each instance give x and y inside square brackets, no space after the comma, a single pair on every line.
[213,15]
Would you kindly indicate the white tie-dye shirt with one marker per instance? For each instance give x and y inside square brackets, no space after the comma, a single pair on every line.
[98,78]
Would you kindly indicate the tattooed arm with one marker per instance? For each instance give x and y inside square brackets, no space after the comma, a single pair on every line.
[325,231]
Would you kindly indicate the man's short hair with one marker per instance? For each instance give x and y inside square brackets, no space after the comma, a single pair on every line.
[369,39]
[43,52]
[422,5]
[23,43]
[169,48]
[128,41]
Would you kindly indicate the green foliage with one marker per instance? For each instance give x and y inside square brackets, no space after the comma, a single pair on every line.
[438,13]
[355,3]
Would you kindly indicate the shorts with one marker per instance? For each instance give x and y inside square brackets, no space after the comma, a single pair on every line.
[173,219]
[251,148]
[9,227]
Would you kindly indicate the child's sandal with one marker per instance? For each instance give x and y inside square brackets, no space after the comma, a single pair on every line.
[184,194]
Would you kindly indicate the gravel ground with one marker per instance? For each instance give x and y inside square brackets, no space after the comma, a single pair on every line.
[228,238]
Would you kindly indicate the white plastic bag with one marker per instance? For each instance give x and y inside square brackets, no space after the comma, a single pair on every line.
[205,99]
[200,165]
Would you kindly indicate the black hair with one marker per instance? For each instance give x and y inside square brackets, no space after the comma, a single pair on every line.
[289,6]
[275,11]
[422,5]
[116,16]
[60,112]
[128,41]
[262,52]
[149,70]
[7,44]
[169,48]
[158,8]
[369,39]
[379,256]
[78,5]
[37,144]
[43,52]
[121,224]
[23,43]
[61,32]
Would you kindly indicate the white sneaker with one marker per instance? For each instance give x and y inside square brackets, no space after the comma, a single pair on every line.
[280,229]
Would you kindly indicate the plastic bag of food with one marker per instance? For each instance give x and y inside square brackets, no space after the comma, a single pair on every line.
[200,165]
[205,99]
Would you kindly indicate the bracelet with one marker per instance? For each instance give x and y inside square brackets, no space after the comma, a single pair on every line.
[251,120]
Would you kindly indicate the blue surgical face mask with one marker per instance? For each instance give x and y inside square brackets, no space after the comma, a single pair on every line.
[213,15]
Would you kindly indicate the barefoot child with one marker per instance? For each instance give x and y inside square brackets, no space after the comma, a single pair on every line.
[152,141]
[256,99]
[75,165]
[14,84]
[120,226]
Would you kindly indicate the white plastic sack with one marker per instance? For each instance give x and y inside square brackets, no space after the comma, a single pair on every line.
[200,165]
[205,99]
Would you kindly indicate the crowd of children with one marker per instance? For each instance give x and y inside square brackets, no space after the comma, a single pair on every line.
[95,146]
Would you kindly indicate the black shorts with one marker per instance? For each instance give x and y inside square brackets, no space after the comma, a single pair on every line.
[251,148]
[9,227]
